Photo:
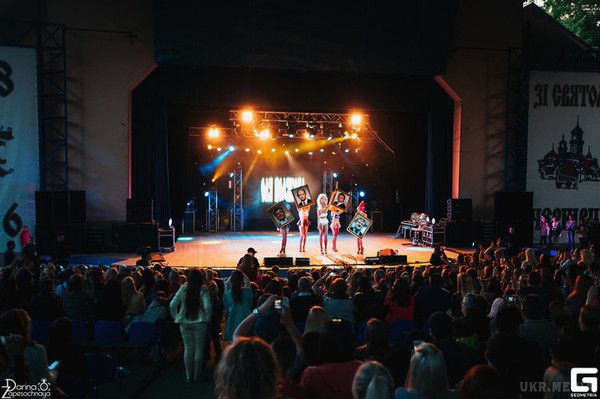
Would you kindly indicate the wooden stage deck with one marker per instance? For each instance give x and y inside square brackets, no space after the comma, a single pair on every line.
[223,250]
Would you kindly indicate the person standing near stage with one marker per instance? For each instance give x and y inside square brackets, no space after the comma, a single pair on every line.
[303,224]
[283,230]
[249,264]
[544,230]
[556,230]
[323,222]
[335,229]
[570,226]
[359,242]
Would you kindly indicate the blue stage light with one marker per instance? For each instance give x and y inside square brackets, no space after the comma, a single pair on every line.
[335,175]
[206,193]
[231,174]
[231,148]
[361,194]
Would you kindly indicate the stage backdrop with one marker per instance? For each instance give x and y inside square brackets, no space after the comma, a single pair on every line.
[564,145]
[19,169]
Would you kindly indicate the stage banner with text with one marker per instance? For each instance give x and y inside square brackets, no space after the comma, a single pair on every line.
[19,165]
[564,145]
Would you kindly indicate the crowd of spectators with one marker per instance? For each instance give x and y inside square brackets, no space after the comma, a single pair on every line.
[480,325]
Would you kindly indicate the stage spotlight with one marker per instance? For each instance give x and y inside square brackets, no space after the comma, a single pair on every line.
[296,150]
[259,152]
[209,146]
[213,132]
[312,136]
[333,152]
[361,194]
[307,135]
[321,150]
[206,193]
[329,138]
[264,134]
[340,125]
[286,152]
[354,136]
[219,149]
[247,150]
[272,149]
[291,135]
[335,175]
[355,119]
[230,174]
[310,153]
[231,148]
[346,134]
[346,150]
[247,116]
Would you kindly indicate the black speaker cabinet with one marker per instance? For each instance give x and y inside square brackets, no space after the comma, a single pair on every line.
[462,233]
[45,237]
[393,260]
[460,209]
[302,261]
[128,237]
[60,207]
[276,261]
[140,210]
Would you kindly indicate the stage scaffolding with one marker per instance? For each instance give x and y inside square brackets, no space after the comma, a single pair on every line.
[237,209]
[212,211]
[329,183]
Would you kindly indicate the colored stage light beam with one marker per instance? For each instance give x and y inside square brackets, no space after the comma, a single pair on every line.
[248,172]
[212,165]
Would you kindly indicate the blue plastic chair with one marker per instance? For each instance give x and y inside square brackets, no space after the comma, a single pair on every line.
[399,329]
[107,331]
[141,332]
[81,331]
[40,329]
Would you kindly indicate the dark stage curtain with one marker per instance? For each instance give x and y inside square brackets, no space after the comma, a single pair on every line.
[150,156]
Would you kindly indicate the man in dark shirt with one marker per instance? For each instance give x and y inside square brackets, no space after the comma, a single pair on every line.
[430,299]
[60,251]
[9,254]
[302,300]
[458,356]
[249,264]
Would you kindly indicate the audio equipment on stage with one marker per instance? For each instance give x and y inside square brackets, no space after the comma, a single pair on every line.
[45,237]
[60,207]
[302,261]
[372,260]
[462,233]
[393,260]
[460,209]
[128,237]
[277,261]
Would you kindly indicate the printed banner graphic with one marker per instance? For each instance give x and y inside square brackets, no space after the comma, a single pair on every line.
[19,165]
[564,145]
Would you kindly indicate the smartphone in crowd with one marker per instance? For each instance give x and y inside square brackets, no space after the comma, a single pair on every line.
[277,304]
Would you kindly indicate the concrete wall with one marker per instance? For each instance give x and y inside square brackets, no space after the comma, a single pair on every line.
[477,71]
[101,68]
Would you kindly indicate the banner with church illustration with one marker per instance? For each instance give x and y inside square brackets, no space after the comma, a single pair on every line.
[564,145]
[19,165]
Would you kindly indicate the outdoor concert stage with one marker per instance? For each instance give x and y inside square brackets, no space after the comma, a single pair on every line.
[223,250]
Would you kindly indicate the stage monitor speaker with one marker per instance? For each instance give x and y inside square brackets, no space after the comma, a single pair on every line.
[515,209]
[459,209]
[394,260]
[128,237]
[372,260]
[277,261]
[140,210]
[60,207]
[302,261]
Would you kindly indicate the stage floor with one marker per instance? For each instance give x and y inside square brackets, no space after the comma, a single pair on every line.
[223,250]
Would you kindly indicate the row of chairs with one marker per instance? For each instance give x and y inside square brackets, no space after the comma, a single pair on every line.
[398,330]
[103,332]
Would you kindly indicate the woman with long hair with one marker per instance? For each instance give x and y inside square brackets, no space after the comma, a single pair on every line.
[427,375]
[373,381]
[578,295]
[237,303]
[303,224]
[248,369]
[191,308]
[400,302]
[323,222]
[133,300]
[544,230]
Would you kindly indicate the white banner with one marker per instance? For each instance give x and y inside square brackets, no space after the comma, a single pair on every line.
[564,145]
[19,164]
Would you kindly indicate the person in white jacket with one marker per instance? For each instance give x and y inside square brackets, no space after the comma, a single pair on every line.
[191,308]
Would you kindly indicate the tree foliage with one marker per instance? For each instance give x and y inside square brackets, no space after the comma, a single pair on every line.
[582,17]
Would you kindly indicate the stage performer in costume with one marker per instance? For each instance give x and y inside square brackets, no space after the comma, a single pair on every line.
[283,231]
[359,242]
[335,229]
[322,222]
[303,224]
